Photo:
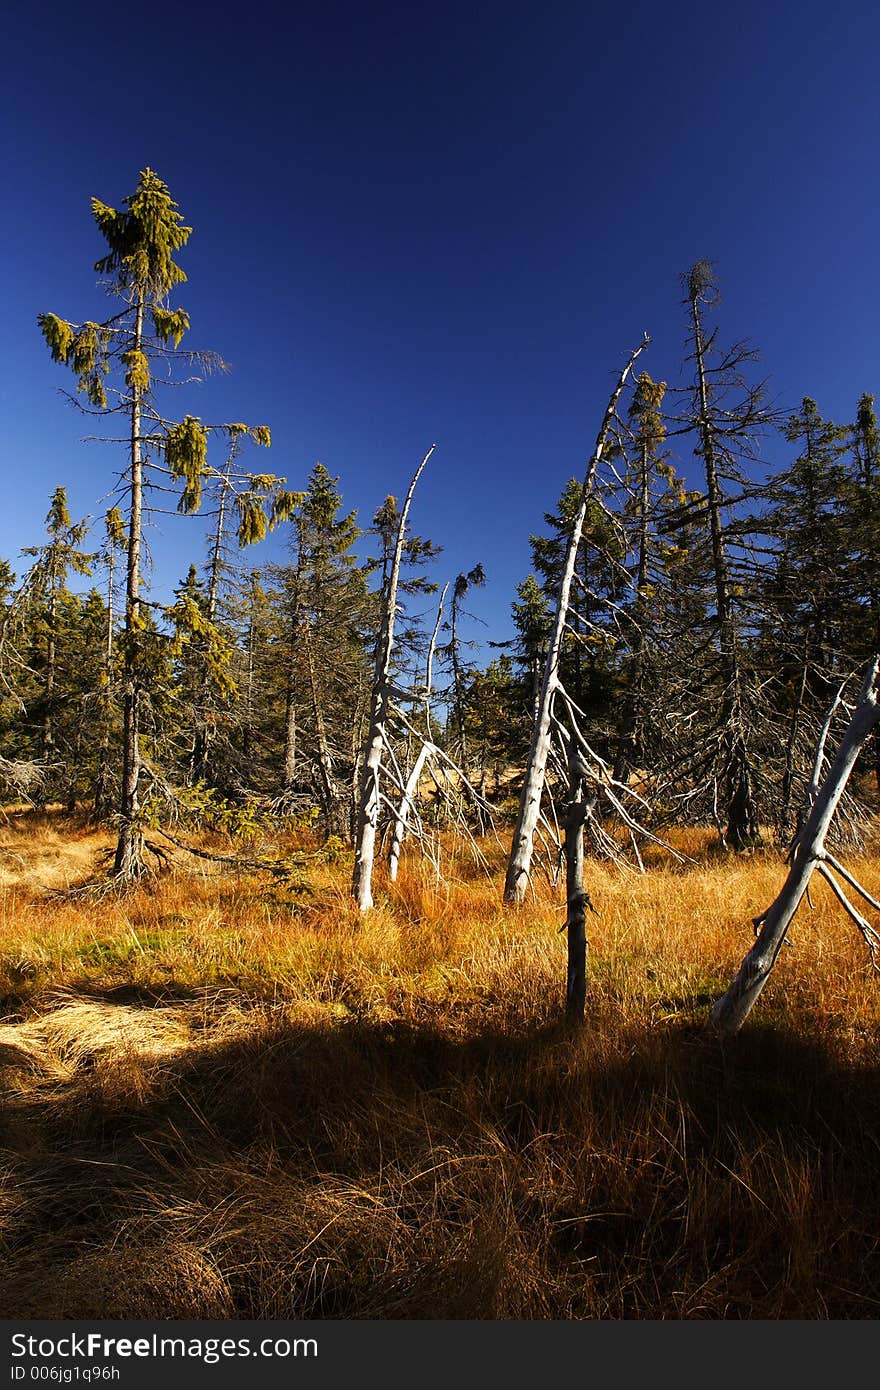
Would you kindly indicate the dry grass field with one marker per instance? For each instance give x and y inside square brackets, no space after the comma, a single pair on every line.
[222,1097]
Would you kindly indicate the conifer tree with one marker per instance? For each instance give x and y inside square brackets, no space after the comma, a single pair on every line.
[114,362]
[586,659]
[726,416]
[255,503]
[861,522]
[326,612]
[652,493]
[81,624]
[532,620]
[802,635]
[475,578]
[59,554]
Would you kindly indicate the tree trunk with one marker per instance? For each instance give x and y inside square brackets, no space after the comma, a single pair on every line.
[129,861]
[331,794]
[102,800]
[742,819]
[404,810]
[289,774]
[576,899]
[369,800]
[457,686]
[49,689]
[520,861]
[732,1009]
[247,725]
[630,751]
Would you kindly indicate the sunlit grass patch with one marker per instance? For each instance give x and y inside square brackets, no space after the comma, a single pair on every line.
[224,1100]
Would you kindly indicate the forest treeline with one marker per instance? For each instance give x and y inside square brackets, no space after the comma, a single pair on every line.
[717,608]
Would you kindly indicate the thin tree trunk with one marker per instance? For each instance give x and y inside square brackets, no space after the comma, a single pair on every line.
[520,861]
[49,688]
[742,820]
[630,752]
[289,775]
[790,750]
[290,711]
[77,752]
[732,1009]
[404,811]
[330,791]
[369,800]
[576,899]
[129,860]
[246,739]
[102,801]
[458,689]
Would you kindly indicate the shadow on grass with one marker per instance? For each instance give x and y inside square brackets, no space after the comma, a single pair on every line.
[360,1169]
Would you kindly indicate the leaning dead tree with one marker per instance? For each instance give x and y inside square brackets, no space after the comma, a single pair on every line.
[552,690]
[406,808]
[401,720]
[377,740]
[809,854]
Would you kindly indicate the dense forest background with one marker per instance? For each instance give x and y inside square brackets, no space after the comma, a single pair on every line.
[718,610]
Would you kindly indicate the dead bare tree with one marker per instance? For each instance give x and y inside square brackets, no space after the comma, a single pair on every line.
[409,795]
[392,733]
[370,799]
[809,853]
[519,863]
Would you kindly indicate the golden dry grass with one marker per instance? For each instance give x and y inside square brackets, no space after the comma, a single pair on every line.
[222,1099]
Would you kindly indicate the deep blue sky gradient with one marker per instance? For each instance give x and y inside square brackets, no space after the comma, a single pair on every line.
[442,224]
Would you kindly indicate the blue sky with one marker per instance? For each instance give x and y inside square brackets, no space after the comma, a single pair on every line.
[442,225]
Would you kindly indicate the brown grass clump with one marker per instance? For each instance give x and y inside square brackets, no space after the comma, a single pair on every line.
[222,1099]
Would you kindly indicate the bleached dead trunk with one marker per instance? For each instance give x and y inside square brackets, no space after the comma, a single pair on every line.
[369,800]
[404,811]
[410,791]
[520,861]
[809,853]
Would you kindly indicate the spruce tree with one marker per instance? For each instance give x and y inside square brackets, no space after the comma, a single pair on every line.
[60,553]
[474,578]
[115,363]
[802,633]
[326,610]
